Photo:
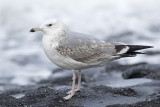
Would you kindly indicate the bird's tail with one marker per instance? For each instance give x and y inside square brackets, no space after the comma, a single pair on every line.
[132,50]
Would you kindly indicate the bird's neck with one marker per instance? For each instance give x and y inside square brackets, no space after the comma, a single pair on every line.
[56,34]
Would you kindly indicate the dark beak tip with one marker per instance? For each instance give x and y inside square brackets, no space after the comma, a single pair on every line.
[32,30]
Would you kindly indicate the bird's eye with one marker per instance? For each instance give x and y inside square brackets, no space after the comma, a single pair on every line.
[50,24]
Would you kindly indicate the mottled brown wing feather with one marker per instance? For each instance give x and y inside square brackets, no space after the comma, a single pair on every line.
[84,48]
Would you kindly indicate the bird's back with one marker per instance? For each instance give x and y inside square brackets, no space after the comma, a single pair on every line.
[79,51]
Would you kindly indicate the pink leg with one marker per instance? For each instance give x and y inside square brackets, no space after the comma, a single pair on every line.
[79,81]
[72,92]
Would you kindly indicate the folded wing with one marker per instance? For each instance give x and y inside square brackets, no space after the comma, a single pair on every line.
[86,49]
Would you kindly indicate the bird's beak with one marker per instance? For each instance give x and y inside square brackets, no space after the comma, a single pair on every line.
[36,29]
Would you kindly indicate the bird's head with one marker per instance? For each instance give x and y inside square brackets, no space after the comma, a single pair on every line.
[49,26]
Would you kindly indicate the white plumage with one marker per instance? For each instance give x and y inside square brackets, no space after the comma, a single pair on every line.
[75,51]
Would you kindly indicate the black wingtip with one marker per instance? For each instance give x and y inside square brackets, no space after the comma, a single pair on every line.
[133,48]
[151,46]
[145,47]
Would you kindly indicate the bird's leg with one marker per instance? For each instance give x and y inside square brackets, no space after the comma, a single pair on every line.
[79,81]
[72,92]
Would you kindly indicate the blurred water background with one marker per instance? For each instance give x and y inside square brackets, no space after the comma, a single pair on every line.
[22,58]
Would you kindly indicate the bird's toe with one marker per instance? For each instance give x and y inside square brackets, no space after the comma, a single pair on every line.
[68,97]
[78,89]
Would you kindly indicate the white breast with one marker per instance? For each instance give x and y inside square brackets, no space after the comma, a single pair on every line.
[49,46]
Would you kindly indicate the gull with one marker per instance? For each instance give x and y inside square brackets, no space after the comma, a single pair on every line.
[76,51]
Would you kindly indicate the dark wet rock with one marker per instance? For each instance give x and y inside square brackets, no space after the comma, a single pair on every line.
[121,91]
[90,96]
[17,89]
[146,70]
[41,96]
[138,70]
[9,101]
[151,103]
[94,93]
[115,66]
[59,81]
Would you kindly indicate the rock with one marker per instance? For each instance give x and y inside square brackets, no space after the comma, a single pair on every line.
[152,103]
[142,70]
[95,90]
[9,101]
[121,91]
[42,96]
[138,70]
[90,96]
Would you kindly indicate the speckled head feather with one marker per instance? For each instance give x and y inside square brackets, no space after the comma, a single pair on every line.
[52,26]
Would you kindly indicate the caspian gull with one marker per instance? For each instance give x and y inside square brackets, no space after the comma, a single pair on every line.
[76,51]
